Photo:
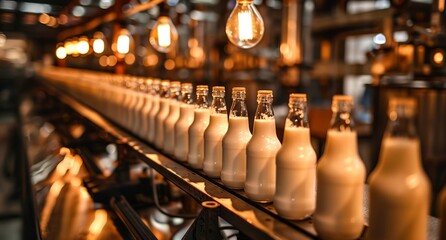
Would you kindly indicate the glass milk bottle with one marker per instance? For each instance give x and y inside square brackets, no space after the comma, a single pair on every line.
[172,118]
[233,171]
[340,177]
[162,113]
[295,196]
[442,209]
[133,91]
[132,105]
[137,114]
[126,84]
[186,119]
[195,155]
[399,188]
[261,151]
[156,89]
[213,136]
[143,132]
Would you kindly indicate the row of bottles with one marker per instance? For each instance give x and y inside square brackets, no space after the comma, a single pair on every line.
[164,113]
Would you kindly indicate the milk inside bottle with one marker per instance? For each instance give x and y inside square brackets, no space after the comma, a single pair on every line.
[340,178]
[399,188]
[261,151]
[213,136]
[295,196]
[233,172]
[195,155]
[162,113]
[156,88]
[137,115]
[143,132]
[185,119]
[172,118]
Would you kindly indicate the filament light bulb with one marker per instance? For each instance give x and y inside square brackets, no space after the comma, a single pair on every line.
[164,35]
[122,43]
[98,43]
[61,52]
[83,47]
[245,27]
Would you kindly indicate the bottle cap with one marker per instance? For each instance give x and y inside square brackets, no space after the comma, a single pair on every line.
[175,84]
[218,88]
[186,85]
[343,98]
[165,82]
[398,104]
[156,81]
[202,87]
[402,101]
[299,96]
[264,92]
[238,89]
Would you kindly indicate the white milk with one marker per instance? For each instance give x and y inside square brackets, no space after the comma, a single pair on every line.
[233,171]
[135,125]
[196,138]
[144,131]
[261,153]
[213,136]
[131,109]
[182,131]
[159,126]
[152,117]
[295,196]
[169,126]
[340,188]
[399,192]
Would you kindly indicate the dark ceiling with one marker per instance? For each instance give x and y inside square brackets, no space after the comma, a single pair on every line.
[43,19]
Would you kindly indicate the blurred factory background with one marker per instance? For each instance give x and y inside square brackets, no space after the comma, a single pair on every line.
[369,49]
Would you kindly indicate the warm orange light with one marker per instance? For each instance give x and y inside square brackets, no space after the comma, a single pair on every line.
[83,47]
[438,57]
[61,53]
[98,43]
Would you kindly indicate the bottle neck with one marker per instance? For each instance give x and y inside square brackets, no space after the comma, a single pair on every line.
[401,126]
[264,110]
[297,116]
[238,108]
[202,101]
[218,106]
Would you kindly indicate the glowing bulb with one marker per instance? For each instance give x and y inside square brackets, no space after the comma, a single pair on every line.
[244,27]
[68,45]
[123,44]
[164,35]
[438,57]
[83,47]
[98,43]
[61,52]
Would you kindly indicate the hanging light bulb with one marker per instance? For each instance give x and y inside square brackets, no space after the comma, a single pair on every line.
[83,47]
[61,52]
[98,43]
[122,43]
[244,27]
[164,35]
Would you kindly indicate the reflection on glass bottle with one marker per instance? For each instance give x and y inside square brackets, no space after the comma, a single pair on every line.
[399,188]
[195,155]
[172,118]
[213,136]
[295,196]
[233,172]
[185,119]
[340,177]
[261,151]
